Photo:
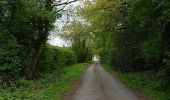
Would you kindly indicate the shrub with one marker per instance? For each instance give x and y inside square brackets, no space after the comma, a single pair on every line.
[10,61]
[54,58]
[164,73]
[152,53]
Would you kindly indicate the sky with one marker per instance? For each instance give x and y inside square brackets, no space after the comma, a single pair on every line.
[54,38]
[58,41]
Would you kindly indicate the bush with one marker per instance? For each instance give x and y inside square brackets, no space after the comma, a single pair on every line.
[69,56]
[54,58]
[164,73]
[152,53]
[9,50]
[10,61]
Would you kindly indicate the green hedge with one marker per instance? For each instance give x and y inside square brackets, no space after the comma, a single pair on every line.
[54,58]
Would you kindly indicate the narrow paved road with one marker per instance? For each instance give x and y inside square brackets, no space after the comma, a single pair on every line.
[97,84]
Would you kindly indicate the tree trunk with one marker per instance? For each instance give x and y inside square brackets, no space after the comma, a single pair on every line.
[43,34]
[30,71]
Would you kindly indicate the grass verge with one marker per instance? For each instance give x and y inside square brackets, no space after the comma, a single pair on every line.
[49,87]
[72,73]
[140,82]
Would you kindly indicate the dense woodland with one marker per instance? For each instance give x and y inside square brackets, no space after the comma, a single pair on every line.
[131,35]
[128,35]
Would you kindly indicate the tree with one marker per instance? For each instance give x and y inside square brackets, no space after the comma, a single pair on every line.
[24,28]
[80,36]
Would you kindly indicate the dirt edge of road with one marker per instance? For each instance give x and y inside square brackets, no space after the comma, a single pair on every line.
[142,95]
[76,85]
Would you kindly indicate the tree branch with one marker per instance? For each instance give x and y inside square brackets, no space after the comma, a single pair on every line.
[64,3]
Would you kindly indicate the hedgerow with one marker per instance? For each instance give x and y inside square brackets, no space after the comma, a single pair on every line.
[54,58]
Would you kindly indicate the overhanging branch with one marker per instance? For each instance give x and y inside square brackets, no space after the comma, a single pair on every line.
[64,3]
